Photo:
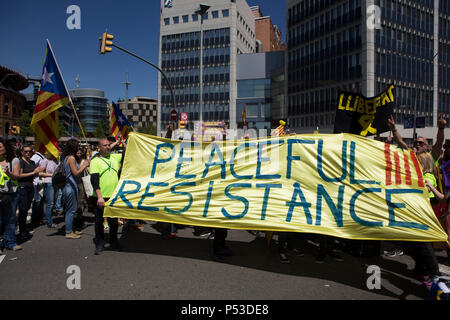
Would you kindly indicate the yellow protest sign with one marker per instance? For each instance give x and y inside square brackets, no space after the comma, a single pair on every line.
[341,185]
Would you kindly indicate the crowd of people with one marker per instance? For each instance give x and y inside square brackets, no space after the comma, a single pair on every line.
[93,173]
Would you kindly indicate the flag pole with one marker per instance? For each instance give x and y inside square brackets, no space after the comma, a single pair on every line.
[70,98]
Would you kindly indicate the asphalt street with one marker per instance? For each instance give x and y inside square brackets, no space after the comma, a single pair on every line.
[149,267]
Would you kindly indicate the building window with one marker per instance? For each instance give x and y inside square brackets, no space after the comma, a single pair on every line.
[194,17]
[225,13]
[176,20]
[185,18]
[166,21]
[215,14]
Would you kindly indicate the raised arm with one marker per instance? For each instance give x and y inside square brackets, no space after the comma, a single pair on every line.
[397,137]
[437,147]
[73,166]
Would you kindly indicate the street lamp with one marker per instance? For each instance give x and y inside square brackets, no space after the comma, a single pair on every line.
[201,11]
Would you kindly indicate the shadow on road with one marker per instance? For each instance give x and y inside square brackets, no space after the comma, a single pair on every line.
[257,255]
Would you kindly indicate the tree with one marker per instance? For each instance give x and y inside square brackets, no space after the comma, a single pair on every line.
[149,128]
[24,124]
[101,131]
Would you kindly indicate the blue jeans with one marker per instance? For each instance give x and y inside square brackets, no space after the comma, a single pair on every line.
[37,209]
[15,203]
[8,219]
[49,195]
[70,201]
[58,203]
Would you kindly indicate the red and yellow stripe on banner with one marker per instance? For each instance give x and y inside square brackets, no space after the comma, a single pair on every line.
[47,102]
[46,135]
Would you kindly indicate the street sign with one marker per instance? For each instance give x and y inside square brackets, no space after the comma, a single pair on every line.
[184,116]
[174,114]
[420,122]
[408,122]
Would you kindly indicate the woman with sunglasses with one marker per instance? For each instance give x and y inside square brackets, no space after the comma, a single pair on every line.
[28,171]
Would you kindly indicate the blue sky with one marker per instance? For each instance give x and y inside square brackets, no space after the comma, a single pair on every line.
[26,24]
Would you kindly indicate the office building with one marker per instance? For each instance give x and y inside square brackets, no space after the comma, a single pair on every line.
[335,45]
[228,29]
[260,86]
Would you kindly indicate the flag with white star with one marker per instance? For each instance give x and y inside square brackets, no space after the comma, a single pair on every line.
[52,95]
[119,123]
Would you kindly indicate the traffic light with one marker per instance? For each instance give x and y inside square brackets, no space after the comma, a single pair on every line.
[105,42]
[15,130]
[181,124]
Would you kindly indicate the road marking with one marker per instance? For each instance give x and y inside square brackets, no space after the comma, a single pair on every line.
[2,257]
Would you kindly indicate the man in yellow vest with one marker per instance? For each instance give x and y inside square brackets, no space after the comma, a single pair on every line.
[104,170]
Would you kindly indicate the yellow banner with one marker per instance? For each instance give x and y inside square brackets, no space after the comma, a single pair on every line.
[341,185]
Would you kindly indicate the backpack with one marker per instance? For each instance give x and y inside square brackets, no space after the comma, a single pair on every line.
[59,177]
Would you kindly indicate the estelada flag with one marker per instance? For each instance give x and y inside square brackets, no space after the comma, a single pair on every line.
[364,116]
[119,123]
[279,131]
[52,95]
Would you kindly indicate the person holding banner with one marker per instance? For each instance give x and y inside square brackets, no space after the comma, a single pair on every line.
[422,252]
[104,170]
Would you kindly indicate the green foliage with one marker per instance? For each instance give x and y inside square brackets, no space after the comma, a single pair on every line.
[148,129]
[24,124]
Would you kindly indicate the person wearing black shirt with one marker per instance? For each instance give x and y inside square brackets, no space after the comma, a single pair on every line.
[28,171]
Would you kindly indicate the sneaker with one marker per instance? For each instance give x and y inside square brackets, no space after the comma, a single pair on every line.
[99,248]
[52,226]
[78,232]
[296,252]
[226,252]
[16,248]
[391,253]
[335,256]
[218,258]
[105,226]
[72,235]
[169,236]
[398,252]
[25,235]
[320,258]
[115,246]
[284,258]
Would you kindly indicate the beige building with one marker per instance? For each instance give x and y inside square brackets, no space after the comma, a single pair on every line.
[142,111]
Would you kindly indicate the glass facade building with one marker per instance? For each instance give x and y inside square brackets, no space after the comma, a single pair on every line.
[260,90]
[91,106]
[330,48]
[228,29]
